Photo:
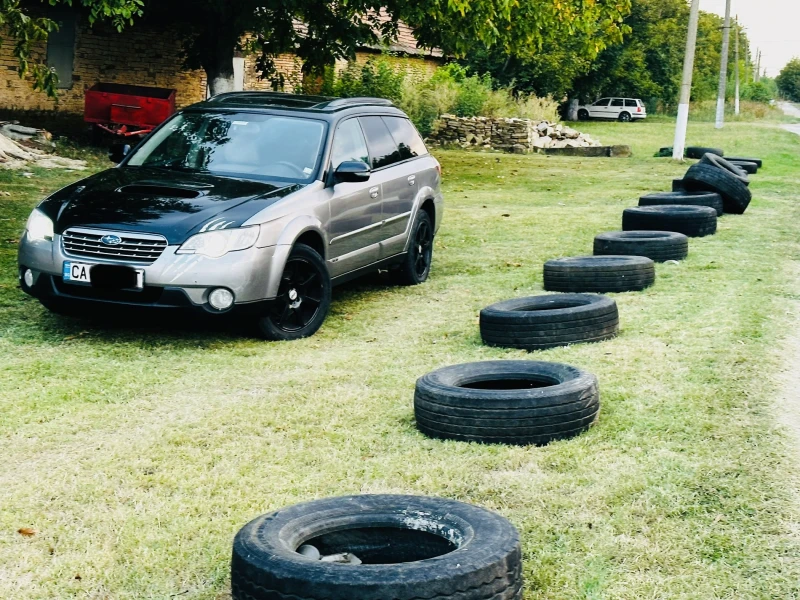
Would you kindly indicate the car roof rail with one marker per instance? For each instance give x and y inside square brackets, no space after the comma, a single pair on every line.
[283,99]
[358,101]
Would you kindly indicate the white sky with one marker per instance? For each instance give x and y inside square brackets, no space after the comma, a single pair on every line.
[772,25]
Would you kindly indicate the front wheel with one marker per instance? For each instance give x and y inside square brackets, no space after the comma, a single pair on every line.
[303,300]
[583,115]
[416,266]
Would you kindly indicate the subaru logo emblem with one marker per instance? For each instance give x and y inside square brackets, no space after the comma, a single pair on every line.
[111,240]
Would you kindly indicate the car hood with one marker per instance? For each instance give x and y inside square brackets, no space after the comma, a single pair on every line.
[171,203]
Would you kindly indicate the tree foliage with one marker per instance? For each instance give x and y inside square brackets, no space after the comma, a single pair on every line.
[789,80]
[27,28]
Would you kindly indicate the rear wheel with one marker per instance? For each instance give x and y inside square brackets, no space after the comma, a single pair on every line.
[416,266]
[303,300]
[625,117]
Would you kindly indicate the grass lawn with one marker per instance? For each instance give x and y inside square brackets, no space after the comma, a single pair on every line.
[135,451]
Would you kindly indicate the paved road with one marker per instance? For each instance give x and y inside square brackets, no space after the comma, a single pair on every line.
[792,111]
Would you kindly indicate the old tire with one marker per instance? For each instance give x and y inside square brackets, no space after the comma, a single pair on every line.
[412,547]
[684,198]
[599,274]
[506,402]
[758,162]
[678,185]
[750,168]
[721,163]
[699,151]
[735,194]
[658,246]
[691,221]
[540,322]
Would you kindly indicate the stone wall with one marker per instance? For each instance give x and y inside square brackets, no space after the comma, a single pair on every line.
[509,135]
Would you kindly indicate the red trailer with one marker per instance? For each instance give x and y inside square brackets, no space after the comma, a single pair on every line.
[128,110]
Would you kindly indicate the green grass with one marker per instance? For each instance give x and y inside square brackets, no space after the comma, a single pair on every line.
[136,451]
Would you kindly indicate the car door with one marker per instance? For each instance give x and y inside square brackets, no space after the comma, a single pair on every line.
[599,108]
[355,208]
[396,178]
[615,108]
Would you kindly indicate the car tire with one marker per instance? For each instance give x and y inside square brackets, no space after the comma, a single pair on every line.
[758,162]
[303,299]
[750,168]
[736,196]
[697,152]
[599,274]
[412,547]
[541,322]
[416,265]
[691,221]
[625,117]
[658,246]
[516,402]
[719,162]
[583,115]
[684,198]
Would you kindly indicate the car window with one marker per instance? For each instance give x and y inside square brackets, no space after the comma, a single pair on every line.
[406,137]
[631,103]
[349,143]
[382,148]
[236,144]
[617,102]
[602,102]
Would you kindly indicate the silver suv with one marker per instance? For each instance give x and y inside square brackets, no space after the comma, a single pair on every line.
[618,109]
[251,201]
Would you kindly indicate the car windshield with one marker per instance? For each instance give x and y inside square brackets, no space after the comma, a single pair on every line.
[248,145]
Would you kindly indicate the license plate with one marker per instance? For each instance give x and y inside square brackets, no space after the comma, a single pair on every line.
[107,276]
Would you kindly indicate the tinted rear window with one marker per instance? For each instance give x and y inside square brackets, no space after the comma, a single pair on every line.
[382,148]
[631,103]
[406,137]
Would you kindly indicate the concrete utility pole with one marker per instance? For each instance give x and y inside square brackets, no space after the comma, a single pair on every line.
[736,106]
[686,85]
[758,67]
[723,69]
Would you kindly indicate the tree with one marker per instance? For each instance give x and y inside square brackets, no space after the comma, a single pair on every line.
[789,80]
[320,32]
[27,30]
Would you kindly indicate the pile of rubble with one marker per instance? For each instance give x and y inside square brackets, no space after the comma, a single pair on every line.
[22,146]
[510,135]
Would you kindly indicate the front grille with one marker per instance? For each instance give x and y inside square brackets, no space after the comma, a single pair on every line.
[140,248]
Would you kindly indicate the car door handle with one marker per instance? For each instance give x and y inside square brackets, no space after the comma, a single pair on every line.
[411,179]
[373,192]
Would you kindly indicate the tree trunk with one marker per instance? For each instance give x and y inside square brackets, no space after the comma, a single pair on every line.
[217,61]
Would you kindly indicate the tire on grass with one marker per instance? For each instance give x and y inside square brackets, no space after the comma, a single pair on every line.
[758,162]
[750,168]
[411,547]
[721,163]
[599,274]
[540,322]
[691,221]
[658,246]
[684,198]
[678,185]
[736,196]
[507,401]
[699,151]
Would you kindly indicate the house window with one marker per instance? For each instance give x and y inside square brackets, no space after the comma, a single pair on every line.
[61,48]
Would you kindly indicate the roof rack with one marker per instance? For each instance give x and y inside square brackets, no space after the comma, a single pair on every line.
[321,103]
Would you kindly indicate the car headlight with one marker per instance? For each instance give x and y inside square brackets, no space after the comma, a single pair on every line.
[218,243]
[39,226]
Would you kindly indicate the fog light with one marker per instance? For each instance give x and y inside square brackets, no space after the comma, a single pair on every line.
[220,299]
[27,277]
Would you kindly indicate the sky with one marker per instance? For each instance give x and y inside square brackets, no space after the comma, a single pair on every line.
[772,25]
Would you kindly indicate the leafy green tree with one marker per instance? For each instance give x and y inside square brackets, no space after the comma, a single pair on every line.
[27,30]
[789,80]
[213,30]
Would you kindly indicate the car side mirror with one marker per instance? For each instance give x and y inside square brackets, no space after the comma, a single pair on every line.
[351,171]
[118,152]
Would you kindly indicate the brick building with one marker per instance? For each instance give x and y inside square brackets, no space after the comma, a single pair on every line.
[143,55]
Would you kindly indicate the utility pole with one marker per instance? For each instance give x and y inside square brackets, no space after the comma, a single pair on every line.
[736,106]
[686,84]
[758,67]
[723,69]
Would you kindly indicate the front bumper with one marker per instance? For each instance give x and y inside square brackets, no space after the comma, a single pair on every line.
[172,281]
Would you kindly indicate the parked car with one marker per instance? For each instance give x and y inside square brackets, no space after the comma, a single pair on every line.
[618,109]
[250,201]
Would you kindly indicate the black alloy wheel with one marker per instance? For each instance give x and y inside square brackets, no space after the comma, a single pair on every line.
[416,266]
[303,298]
